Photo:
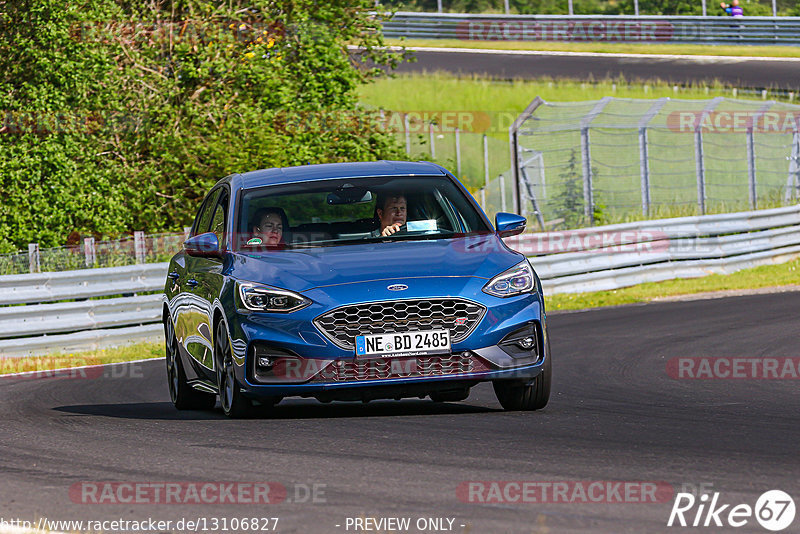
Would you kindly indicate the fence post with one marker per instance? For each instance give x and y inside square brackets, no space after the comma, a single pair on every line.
[433,140]
[458,153]
[89,251]
[408,134]
[700,170]
[644,157]
[751,169]
[33,258]
[644,170]
[502,193]
[485,171]
[793,180]
[139,246]
[586,156]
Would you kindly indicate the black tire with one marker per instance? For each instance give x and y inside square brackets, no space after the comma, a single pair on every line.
[182,395]
[234,404]
[455,395]
[516,396]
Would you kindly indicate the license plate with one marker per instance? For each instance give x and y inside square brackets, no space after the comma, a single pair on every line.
[403,344]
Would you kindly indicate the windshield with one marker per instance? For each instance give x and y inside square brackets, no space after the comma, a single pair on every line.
[355,210]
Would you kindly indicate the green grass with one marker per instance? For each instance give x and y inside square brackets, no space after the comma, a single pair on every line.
[488,107]
[60,360]
[444,91]
[757,277]
[616,48]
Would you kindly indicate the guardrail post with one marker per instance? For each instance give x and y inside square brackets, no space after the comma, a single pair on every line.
[139,247]
[586,156]
[485,170]
[458,153]
[751,169]
[33,257]
[89,251]
[433,140]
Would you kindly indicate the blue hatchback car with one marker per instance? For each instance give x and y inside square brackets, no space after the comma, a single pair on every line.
[351,282]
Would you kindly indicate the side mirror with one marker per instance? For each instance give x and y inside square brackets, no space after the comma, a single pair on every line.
[508,224]
[203,246]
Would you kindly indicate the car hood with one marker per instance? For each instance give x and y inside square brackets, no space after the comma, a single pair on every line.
[304,269]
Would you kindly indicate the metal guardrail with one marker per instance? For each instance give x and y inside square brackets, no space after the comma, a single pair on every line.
[615,256]
[592,259]
[594,28]
[66,285]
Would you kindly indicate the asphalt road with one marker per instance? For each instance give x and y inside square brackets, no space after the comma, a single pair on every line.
[615,415]
[737,72]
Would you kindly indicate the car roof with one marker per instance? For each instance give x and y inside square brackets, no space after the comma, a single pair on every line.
[285,175]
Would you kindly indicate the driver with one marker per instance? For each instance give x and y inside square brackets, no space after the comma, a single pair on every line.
[391,211]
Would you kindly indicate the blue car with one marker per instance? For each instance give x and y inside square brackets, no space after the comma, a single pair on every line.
[351,282]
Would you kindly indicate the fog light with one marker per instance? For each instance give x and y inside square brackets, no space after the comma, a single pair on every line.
[265,362]
[526,343]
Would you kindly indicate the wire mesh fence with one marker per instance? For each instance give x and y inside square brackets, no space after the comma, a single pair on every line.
[129,250]
[615,160]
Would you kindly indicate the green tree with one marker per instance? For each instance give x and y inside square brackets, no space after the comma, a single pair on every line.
[120,115]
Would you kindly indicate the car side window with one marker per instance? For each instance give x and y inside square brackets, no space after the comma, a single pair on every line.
[220,216]
[203,220]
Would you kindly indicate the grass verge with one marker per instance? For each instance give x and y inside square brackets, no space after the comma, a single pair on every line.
[60,360]
[608,48]
[758,277]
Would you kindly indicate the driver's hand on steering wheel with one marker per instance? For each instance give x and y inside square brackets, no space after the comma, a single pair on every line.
[391,229]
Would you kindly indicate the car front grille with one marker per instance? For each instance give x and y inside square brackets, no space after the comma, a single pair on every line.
[342,325]
[387,368]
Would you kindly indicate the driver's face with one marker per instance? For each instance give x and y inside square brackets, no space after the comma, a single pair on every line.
[394,212]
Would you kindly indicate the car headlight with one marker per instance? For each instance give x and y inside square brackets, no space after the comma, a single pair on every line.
[516,280]
[259,298]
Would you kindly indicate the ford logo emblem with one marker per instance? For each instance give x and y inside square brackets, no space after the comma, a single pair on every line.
[397,287]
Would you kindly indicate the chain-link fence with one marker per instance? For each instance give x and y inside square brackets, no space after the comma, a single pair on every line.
[615,160]
[139,248]
[469,144]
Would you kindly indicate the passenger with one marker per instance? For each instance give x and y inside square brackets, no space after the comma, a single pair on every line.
[391,211]
[268,226]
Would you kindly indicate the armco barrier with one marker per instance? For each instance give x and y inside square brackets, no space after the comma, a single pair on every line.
[594,28]
[590,259]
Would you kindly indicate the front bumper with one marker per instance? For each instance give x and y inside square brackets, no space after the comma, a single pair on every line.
[315,367]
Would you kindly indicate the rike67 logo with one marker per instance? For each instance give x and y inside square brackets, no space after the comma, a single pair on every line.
[774,510]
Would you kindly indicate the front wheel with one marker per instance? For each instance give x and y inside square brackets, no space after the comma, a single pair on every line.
[182,395]
[234,404]
[516,396]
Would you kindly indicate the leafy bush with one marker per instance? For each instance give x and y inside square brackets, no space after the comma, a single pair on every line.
[120,116]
